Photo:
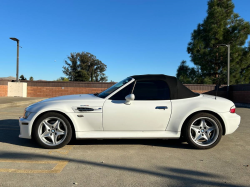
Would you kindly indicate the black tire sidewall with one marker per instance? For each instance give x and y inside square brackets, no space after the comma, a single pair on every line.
[47,115]
[189,123]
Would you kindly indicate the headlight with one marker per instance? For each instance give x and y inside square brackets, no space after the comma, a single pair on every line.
[26,114]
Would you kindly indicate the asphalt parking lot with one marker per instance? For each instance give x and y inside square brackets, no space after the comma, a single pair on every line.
[122,162]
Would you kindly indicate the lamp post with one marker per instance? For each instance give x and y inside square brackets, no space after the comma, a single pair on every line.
[17,58]
[228,65]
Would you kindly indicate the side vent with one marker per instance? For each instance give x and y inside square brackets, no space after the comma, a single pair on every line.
[83,109]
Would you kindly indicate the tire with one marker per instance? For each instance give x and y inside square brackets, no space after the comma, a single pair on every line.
[52,130]
[202,135]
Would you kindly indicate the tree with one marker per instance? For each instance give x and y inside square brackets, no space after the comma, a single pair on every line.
[192,75]
[22,77]
[62,79]
[71,70]
[31,78]
[84,67]
[186,74]
[221,26]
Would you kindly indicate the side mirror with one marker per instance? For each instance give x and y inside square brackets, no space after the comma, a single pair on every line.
[129,98]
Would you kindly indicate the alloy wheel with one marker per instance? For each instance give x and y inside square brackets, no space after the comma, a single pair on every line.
[204,131]
[52,131]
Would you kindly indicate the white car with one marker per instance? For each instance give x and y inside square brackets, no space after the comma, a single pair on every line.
[141,106]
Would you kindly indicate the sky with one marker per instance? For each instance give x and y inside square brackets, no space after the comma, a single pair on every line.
[131,37]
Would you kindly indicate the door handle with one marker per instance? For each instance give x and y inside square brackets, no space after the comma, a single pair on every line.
[161,107]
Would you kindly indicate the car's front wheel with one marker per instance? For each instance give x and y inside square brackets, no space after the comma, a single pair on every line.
[52,130]
[203,131]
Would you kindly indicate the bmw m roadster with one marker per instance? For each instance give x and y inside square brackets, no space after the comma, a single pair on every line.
[141,106]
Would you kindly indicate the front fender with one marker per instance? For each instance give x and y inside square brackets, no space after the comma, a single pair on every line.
[34,116]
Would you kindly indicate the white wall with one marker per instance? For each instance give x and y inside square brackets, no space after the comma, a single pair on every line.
[17,89]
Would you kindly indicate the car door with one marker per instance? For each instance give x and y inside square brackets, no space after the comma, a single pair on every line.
[150,111]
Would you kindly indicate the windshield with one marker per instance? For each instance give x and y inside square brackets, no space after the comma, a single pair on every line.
[114,88]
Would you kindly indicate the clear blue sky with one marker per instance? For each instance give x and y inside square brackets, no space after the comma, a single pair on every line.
[129,36]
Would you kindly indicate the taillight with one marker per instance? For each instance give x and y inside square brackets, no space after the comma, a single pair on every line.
[232,109]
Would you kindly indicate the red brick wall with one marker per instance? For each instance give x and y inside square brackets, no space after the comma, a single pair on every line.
[3,90]
[33,91]
[238,93]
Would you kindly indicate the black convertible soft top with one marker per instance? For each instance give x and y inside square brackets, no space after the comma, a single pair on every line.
[177,89]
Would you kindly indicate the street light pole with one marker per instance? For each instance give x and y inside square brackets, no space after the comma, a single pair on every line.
[17,58]
[17,62]
[228,66]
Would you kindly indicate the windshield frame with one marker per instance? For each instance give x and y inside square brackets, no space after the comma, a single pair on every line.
[117,89]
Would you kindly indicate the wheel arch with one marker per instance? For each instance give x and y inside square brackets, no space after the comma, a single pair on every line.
[204,111]
[62,113]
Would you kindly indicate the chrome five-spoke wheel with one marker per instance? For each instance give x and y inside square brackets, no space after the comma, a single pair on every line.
[52,130]
[203,131]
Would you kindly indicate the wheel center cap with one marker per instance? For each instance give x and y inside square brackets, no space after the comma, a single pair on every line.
[52,130]
[202,130]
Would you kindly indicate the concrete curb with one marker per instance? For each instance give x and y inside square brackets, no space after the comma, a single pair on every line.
[19,103]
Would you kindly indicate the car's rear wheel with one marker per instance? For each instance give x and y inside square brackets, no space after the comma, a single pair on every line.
[203,131]
[52,130]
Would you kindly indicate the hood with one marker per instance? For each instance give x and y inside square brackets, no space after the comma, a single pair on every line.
[67,100]
[72,98]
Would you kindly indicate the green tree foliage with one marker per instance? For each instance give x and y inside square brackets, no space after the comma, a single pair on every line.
[31,78]
[62,79]
[22,77]
[221,26]
[84,67]
[188,75]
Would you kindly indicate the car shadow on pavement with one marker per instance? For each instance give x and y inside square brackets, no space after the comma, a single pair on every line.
[168,143]
[9,132]
[181,177]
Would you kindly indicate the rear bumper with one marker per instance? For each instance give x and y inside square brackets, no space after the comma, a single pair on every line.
[232,122]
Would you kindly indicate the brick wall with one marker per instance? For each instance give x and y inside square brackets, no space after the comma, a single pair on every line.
[3,88]
[55,88]
[36,91]
[209,89]
[238,93]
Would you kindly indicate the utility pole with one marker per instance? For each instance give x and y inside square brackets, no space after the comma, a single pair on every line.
[17,58]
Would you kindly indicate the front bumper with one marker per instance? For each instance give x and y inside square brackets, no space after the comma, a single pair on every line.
[25,126]
[232,121]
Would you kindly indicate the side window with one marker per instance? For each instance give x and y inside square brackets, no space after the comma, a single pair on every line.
[151,90]
[123,93]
